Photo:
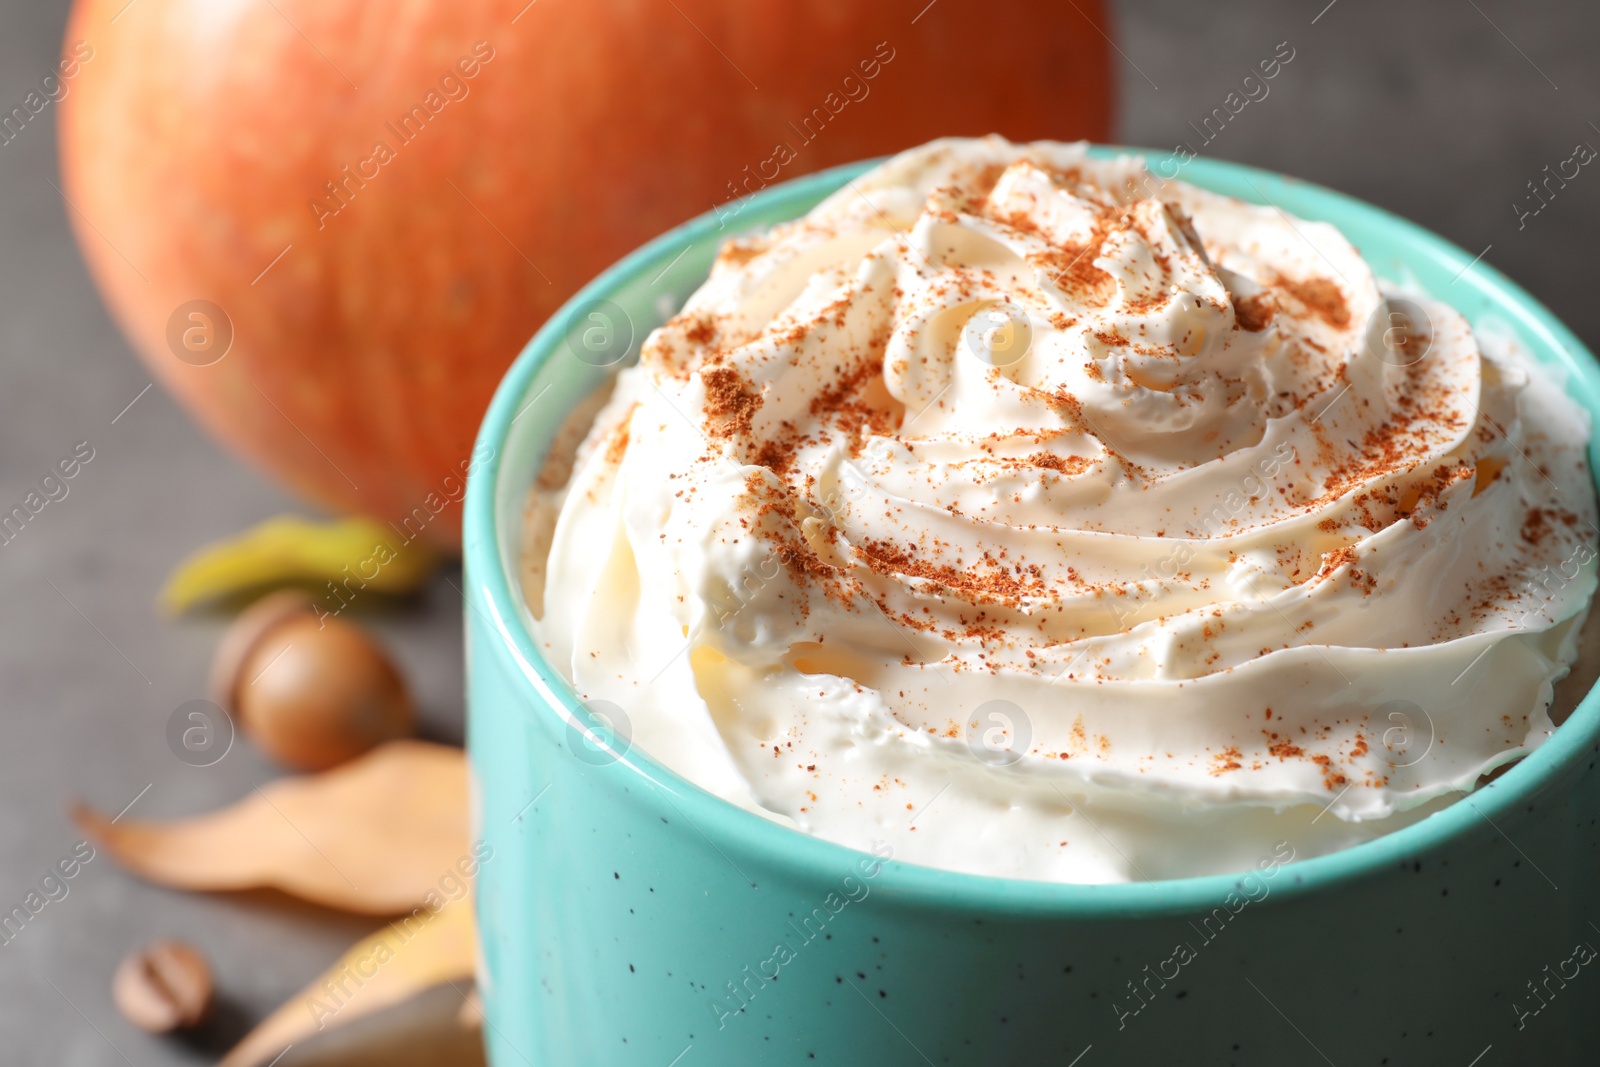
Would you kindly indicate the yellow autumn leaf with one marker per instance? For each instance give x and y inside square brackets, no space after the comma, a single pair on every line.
[379,835]
[353,554]
[410,955]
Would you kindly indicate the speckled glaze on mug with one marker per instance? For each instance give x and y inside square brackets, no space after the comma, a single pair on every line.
[628,917]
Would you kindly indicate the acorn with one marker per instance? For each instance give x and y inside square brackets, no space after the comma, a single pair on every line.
[310,690]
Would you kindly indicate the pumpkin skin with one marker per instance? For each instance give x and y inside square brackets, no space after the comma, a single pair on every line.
[366,341]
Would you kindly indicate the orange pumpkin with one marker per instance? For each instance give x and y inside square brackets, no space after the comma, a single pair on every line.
[386,200]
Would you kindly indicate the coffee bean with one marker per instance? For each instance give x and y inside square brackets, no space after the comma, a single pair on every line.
[165,986]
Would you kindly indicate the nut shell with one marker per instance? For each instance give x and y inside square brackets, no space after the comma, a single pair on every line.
[314,693]
[241,638]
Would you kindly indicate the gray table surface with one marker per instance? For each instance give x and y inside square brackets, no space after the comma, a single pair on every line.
[1431,110]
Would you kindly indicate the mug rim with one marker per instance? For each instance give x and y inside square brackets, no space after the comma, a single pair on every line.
[491,589]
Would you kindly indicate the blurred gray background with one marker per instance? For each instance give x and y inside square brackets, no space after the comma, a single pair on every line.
[1431,110]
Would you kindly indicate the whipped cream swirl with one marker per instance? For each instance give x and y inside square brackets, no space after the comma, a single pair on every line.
[1044,518]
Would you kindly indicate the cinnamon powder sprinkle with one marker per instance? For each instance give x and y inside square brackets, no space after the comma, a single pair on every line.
[1321,296]
[1255,313]
[730,402]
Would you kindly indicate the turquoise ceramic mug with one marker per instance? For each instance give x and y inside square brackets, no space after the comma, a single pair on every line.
[629,917]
